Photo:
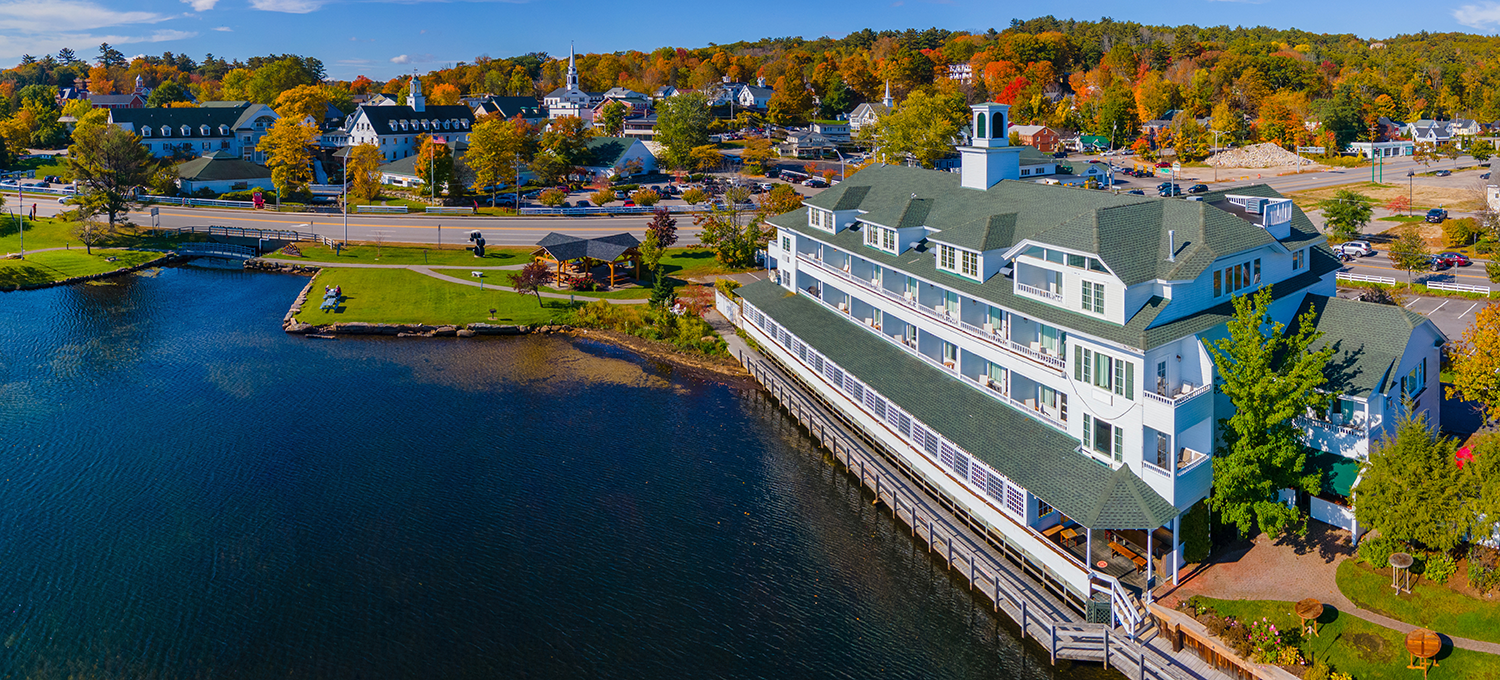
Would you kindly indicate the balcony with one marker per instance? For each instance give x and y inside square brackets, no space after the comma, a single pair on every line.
[1183,394]
[940,315]
[1033,291]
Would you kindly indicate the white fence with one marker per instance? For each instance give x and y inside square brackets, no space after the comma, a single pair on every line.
[1457,287]
[389,209]
[211,202]
[449,210]
[1383,280]
[613,210]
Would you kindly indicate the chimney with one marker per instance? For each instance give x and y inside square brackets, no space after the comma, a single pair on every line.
[1171,245]
[989,158]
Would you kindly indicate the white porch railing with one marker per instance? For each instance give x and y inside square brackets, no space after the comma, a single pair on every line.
[1033,291]
[1181,397]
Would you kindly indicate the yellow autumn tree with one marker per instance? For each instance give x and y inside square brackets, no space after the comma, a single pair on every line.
[446,94]
[1476,363]
[289,154]
[301,102]
[364,172]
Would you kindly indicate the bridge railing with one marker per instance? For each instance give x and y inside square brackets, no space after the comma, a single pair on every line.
[217,249]
[387,209]
[243,232]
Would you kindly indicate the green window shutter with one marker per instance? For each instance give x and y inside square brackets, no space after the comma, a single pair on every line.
[1078,363]
[1129,380]
[1119,451]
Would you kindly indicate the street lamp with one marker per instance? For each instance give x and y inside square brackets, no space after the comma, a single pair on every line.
[1410,174]
[346,195]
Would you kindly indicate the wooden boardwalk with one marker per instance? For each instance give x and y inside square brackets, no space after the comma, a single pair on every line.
[1004,577]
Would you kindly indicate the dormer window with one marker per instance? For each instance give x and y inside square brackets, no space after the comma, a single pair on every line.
[465,123]
[393,126]
[968,263]
[223,130]
[166,131]
[187,131]
[820,219]
[958,261]
[1235,278]
[146,132]
[204,130]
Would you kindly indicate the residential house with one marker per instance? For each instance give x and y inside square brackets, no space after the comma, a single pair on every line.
[867,114]
[635,103]
[614,156]
[641,127]
[807,144]
[963,73]
[1389,130]
[756,96]
[221,172]
[571,100]
[167,132]
[397,130]
[373,99]
[663,92]
[1038,354]
[1465,127]
[836,131]
[1433,132]
[135,99]
[1040,137]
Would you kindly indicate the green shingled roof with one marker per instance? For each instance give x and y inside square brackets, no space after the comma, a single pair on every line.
[1368,340]
[220,166]
[1129,233]
[1143,331]
[1035,456]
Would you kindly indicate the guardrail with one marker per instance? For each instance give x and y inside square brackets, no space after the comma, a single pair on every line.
[228,249]
[1457,287]
[387,209]
[448,210]
[1362,278]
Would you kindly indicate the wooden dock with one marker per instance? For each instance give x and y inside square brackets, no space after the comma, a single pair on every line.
[1022,590]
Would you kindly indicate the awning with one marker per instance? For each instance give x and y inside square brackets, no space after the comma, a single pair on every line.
[1339,472]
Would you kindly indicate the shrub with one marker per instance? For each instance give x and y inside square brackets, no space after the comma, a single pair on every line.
[1482,573]
[268,194]
[626,188]
[1440,566]
[646,197]
[1289,656]
[1492,270]
[582,283]
[1341,676]
[1460,231]
[1265,641]
[1376,552]
[603,197]
[552,198]
[694,196]
[1319,671]
[1197,541]
[727,287]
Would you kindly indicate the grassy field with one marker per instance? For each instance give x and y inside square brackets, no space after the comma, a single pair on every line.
[402,296]
[1422,197]
[449,255]
[57,265]
[1429,605]
[683,263]
[43,167]
[621,294]
[1358,647]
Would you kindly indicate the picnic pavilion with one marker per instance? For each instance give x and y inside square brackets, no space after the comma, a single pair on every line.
[574,256]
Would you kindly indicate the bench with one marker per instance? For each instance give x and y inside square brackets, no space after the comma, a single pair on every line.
[1052,531]
[1128,554]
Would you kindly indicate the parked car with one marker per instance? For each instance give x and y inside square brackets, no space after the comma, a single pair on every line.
[1437,264]
[63,199]
[1437,215]
[1163,186]
[1170,190]
[1442,173]
[1198,189]
[1060,154]
[1485,176]
[815,182]
[629,204]
[1455,259]
[1136,192]
[1355,248]
[53,178]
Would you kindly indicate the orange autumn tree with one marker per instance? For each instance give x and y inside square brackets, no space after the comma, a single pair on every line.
[1476,363]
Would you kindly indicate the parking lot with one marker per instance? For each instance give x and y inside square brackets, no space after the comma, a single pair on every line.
[1451,315]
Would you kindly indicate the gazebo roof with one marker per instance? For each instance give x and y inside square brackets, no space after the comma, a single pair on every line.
[563,247]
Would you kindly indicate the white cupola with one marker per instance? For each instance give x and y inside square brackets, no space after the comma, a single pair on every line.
[990,158]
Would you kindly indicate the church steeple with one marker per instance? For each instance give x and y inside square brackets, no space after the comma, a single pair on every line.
[414,97]
[887,101]
[572,69]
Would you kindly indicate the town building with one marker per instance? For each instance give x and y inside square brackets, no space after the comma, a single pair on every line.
[614,156]
[221,172]
[756,96]
[1037,355]
[528,108]
[867,114]
[234,129]
[963,73]
[836,131]
[397,130]
[1040,137]
[1391,149]
[807,144]
[570,99]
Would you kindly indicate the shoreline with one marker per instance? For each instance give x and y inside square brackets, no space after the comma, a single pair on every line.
[169,258]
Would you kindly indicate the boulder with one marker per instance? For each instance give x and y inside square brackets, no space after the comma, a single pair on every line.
[300,328]
[465,333]
[492,329]
[445,331]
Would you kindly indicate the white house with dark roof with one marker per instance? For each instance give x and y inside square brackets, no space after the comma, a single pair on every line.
[397,130]
[867,114]
[756,96]
[1038,355]
[234,129]
[611,156]
[570,99]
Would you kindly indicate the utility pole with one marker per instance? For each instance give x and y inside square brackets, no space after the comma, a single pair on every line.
[346,196]
[1216,150]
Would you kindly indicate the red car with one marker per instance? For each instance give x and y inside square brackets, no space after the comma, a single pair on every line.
[1455,259]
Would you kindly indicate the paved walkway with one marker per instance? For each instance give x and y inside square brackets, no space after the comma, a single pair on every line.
[1289,570]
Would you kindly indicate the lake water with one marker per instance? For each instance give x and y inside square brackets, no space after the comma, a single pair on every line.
[188,492]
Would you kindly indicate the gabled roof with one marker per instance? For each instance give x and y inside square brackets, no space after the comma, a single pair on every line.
[509,107]
[235,117]
[1040,458]
[607,151]
[380,117]
[758,92]
[607,248]
[220,166]
[1368,339]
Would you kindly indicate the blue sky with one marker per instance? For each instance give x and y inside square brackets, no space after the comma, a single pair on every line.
[382,38]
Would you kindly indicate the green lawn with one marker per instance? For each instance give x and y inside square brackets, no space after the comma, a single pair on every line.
[450,255]
[1401,218]
[1429,605]
[42,233]
[43,167]
[687,262]
[1360,648]
[620,294]
[57,265]
[402,296]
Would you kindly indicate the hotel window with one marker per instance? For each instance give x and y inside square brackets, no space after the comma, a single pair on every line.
[1233,279]
[1051,340]
[1163,451]
[946,257]
[1104,372]
[950,303]
[950,354]
[1093,297]
[786,244]
[872,237]
[888,239]
[1415,380]
[970,264]
[1104,438]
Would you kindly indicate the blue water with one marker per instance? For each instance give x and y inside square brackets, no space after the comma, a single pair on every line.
[187,492]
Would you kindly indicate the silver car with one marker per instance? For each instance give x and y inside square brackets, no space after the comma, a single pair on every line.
[1356,248]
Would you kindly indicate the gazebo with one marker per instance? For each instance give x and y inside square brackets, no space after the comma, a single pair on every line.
[561,250]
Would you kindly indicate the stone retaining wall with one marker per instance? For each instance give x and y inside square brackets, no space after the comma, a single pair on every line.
[166,259]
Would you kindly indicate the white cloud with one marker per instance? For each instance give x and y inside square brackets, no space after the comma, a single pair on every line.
[403,59]
[62,16]
[165,35]
[354,62]
[202,5]
[224,29]
[288,6]
[1482,16]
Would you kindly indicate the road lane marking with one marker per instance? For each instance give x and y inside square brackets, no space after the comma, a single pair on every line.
[1413,302]
[1434,309]
[1466,311]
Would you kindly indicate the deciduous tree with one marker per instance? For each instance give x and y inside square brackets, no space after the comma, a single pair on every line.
[1409,252]
[530,280]
[1476,363]
[923,127]
[302,101]
[1271,376]
[364,172]
[612,118]
[289,153]
[108,164]
[552,198]
[497,149]
[1346,214]
[663,226]
[682,124]
[645,197]
[434,165]
[167,93]
[446,94]
[782,198]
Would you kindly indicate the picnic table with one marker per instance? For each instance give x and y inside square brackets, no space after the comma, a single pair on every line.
[1128,554]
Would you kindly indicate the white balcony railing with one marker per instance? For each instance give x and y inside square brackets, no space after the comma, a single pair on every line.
[1184,394]
[1033,291]
[995,339]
